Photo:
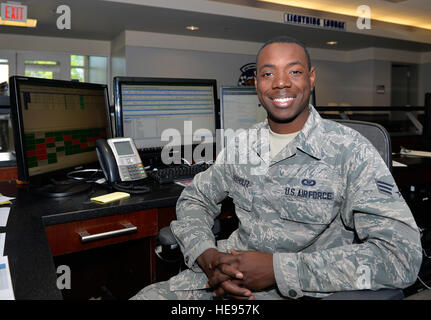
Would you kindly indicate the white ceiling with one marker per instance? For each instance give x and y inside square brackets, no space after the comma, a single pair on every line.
[106,19]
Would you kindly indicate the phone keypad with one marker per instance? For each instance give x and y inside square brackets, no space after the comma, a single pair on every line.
[132,172]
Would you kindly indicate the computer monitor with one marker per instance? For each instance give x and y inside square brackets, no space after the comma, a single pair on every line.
[56,124]
[146,107]
[240,108]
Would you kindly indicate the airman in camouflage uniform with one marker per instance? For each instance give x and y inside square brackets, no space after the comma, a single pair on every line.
[326,208]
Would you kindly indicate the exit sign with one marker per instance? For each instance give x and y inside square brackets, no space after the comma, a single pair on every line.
[13,12]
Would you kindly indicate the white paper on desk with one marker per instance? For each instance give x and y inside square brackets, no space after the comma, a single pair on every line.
[417,153]
[398,164]
[2,241]
[6,290]
[4,215]
[4,198]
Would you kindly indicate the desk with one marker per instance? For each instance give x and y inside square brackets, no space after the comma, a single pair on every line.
[31,257]
[417,172]
[31,217]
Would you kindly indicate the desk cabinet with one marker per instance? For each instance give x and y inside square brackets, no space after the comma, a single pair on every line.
[73,236]
[124,263]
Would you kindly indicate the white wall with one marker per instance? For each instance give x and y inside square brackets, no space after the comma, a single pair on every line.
[344,83]
[54,44]
[342,77]
[159,62]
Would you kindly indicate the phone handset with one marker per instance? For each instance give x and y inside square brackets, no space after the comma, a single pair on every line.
[107,161]
[120,162]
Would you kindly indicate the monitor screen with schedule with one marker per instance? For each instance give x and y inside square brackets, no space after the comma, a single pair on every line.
[56,124]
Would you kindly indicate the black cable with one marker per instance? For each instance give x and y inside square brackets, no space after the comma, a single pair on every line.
[131,188]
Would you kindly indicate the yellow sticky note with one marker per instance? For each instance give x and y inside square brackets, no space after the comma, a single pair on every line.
[114,196]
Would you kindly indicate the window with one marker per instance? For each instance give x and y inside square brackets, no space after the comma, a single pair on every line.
[98,69]
[88,68]
[42,69]
[78,68]
[4,76]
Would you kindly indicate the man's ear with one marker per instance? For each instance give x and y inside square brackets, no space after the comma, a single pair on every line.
[255,79]
[312,77]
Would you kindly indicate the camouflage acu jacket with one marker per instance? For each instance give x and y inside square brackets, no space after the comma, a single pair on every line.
[326,206]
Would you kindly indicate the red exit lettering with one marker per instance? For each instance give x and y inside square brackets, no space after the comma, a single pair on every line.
[13,12]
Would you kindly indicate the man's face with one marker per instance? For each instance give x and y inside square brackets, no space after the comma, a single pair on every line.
[284,84]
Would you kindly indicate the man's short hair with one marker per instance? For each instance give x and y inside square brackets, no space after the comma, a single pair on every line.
[286,39]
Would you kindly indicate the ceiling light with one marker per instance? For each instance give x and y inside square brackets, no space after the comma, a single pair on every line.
[30,23]
[192,28]
[332,43]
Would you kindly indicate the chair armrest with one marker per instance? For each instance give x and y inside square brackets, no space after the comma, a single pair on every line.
[166,237]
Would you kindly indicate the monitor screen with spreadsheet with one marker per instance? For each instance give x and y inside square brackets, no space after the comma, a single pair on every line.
[240,108]
[147,108]
[56,124]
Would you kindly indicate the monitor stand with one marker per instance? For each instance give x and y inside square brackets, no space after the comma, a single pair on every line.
[58,190]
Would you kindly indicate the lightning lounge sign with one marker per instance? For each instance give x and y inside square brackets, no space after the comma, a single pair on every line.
[13,11]
[316,22]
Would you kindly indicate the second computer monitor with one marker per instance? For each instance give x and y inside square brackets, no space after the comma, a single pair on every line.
[240,108]
[146,107]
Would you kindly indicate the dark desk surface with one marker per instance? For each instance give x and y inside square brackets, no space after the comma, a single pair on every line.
[417,172]
[32,266]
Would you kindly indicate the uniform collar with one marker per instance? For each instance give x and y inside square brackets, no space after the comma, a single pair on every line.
[308,140]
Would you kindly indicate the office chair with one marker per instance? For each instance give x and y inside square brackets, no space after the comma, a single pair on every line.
[376,134]
[381,140]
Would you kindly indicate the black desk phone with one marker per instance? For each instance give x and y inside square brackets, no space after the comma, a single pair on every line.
[121,164]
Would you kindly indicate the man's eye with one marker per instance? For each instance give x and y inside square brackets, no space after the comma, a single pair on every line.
[266,74]
[296,72]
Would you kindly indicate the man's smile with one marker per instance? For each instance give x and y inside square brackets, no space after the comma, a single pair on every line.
[283,101]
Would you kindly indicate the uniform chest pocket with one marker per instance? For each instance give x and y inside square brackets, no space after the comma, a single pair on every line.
[307,201]
[242,196]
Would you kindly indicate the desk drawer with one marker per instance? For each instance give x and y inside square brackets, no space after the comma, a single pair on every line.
[92,233]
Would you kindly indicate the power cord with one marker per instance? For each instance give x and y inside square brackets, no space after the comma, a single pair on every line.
[72,174]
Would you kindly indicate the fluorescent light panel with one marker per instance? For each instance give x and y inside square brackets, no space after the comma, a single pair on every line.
[31,23]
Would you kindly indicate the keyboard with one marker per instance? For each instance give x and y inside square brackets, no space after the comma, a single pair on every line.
[179,172]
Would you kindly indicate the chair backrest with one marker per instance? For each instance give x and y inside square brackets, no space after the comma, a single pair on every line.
[376,134]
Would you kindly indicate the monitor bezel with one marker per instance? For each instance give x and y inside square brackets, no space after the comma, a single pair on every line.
[120,80]
[18,126]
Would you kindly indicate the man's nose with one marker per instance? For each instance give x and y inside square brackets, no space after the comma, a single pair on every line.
[282,81]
